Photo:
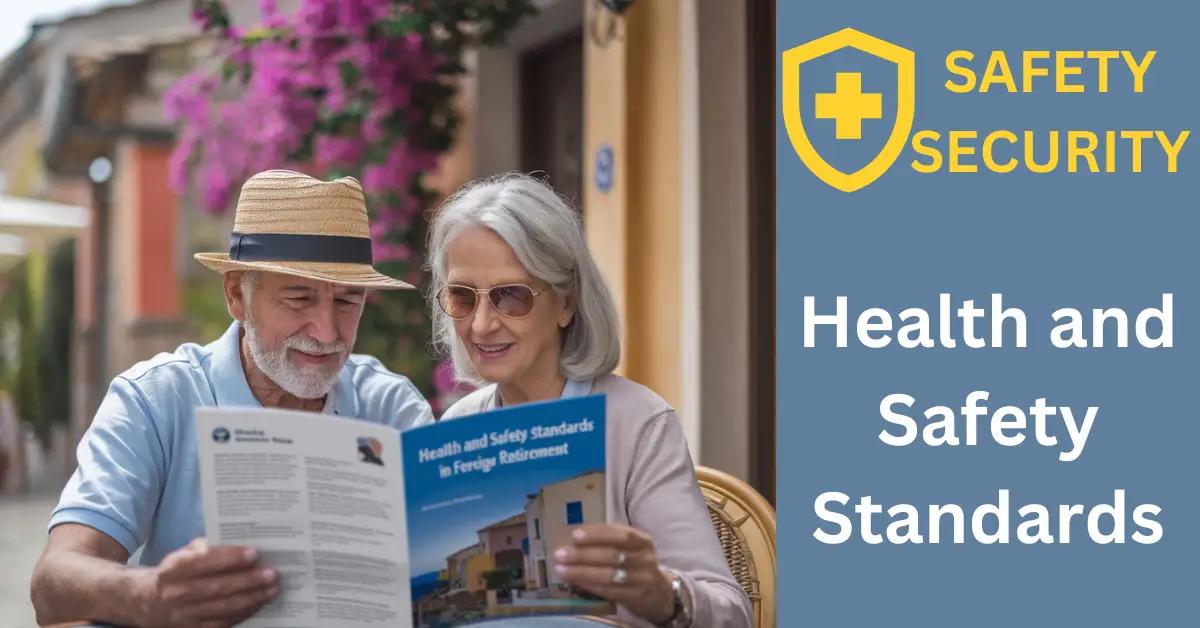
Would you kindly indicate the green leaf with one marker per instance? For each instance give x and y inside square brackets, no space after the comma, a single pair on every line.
[403,24]
[349,72]
[262,34]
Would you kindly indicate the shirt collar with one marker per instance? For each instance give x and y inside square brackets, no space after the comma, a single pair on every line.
[230,387]
[577,388]
[229,379]
[573,388]
[344,401]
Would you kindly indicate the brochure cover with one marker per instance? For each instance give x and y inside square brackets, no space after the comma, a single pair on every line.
[489,499]
[468,511]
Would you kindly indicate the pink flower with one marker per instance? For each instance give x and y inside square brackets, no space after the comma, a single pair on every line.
[317,17]
[372,128]
[202,18]
[217,186]
[385,251]
[188,99]
[356,16]
[338,150]
[180,162]
[298,98]
[268,9]
[444,382]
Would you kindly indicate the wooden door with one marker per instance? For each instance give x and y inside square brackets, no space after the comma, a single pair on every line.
[552,114]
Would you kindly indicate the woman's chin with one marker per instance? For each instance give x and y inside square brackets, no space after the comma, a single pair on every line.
[492,371]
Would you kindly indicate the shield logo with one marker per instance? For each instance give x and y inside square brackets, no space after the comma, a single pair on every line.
[905,62]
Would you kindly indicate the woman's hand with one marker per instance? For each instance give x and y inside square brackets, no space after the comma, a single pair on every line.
[618,563]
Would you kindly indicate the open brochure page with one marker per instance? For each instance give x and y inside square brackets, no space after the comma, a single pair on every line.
[322,499]
[490,497]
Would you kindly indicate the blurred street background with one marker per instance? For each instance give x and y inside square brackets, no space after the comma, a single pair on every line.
[22,534]
[128,126]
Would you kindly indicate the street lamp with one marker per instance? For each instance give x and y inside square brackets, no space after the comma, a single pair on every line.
[100,170]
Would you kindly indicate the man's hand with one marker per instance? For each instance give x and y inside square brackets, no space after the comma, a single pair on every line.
[198,585]
[83,576]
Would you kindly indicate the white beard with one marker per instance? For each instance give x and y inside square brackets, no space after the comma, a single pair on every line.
[311,382]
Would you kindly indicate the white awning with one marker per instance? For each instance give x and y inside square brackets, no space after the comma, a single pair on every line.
[41,222]
[11,245]
[12,249]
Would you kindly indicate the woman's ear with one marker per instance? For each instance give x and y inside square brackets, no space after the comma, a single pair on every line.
[568,312]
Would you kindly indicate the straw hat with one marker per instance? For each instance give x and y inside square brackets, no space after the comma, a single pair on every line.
[291,223]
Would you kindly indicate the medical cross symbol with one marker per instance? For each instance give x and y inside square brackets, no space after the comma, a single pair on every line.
[848,106]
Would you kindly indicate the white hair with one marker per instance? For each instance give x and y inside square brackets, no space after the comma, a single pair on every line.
[248,281]
[546,235]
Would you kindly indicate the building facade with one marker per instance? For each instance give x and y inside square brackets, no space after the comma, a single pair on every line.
[550,515]
[657,122]
[504,542]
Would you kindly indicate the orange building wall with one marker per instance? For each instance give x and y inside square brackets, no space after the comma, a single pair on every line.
[632,102]
[155,290]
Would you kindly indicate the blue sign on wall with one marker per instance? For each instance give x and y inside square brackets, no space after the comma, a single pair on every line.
[605,168]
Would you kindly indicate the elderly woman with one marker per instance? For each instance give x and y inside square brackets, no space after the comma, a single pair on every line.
[522,309]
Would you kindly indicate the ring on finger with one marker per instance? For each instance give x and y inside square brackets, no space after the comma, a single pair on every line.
[621,559]
[620,576]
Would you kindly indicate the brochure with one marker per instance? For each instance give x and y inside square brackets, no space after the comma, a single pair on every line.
[443,525]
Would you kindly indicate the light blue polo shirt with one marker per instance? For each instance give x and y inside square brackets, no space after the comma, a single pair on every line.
[576,388]
[137,479]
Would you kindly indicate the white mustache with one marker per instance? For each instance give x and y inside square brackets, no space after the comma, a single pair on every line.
[313,346]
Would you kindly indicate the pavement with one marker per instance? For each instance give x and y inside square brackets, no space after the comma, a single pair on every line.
[22,536]
[23,520]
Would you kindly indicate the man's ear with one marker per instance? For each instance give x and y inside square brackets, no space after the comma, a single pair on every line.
[235,299]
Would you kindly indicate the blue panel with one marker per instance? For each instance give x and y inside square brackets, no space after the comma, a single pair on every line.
[574,513]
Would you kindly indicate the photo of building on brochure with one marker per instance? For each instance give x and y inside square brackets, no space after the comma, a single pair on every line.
[482,542]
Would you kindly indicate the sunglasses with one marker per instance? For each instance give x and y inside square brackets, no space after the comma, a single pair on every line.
[511,300]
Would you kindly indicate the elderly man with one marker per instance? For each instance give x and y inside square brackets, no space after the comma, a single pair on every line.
[297,273]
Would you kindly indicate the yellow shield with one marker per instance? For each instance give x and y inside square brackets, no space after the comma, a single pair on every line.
[905,62]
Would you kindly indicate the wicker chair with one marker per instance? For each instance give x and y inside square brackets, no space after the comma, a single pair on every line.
[745,525]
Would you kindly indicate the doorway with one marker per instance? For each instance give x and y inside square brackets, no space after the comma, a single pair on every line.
[551,79]
[761,73]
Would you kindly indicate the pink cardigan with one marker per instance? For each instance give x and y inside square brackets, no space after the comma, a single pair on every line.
[651,486]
